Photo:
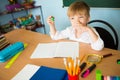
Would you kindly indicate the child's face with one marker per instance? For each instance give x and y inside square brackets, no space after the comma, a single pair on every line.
[79,19]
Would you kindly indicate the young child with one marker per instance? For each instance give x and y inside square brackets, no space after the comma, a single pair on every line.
[78,13]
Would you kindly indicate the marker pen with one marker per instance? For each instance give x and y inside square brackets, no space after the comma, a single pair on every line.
[107,55]
[52,18]
[118,61]
[98,75]
[82,66]
[87,72]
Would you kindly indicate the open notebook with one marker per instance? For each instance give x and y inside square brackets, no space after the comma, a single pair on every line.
[33,72]
[59,49]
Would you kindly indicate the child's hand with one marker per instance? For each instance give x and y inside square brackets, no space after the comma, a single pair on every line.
[79,27]
[50,21]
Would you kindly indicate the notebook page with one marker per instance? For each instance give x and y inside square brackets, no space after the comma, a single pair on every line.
[26,73]
[67,49]
[44,50]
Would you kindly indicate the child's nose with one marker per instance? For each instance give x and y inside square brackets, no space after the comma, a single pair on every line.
[77,20]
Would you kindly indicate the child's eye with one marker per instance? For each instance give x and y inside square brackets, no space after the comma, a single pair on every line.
[71,18]
[81,17]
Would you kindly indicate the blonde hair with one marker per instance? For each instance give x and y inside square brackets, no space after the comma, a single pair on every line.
[78,8]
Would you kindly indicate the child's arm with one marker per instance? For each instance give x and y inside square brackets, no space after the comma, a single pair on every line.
[93,35]
[97,42]
[51,23]
[84,28]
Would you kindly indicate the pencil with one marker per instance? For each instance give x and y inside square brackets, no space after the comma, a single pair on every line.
[77,68]
[66,65]
[82,58]
[74,68]
[70,68]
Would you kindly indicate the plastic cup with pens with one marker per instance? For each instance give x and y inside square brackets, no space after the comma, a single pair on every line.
[72,67]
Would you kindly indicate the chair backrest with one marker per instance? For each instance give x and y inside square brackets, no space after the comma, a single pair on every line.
[108,39]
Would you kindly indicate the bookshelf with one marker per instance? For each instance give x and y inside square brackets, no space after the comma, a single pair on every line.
[26,10]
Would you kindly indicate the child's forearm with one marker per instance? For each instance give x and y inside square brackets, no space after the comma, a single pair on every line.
[52,30]
[93,35]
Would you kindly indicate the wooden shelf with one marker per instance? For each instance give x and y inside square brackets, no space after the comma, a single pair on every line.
[22,9]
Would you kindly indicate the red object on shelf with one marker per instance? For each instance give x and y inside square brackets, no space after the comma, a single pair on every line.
[28,5]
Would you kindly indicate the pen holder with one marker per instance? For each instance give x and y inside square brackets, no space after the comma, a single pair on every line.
[73,77]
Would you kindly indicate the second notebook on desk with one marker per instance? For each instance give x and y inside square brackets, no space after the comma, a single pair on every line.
[59,49]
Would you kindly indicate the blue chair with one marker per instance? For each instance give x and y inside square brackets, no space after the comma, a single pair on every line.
[109,41]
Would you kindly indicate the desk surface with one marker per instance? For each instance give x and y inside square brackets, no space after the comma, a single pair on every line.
[108,66]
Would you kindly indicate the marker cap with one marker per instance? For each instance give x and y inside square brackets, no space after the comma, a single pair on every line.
[118,61]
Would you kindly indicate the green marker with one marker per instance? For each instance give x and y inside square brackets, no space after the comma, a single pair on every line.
[98,75]
[118,61]
[52,18]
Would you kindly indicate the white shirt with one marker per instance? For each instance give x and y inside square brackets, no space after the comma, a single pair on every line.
[85,37]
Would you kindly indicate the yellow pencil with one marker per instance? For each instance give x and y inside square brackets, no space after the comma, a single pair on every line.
[66,65]
[70,68]
[73,60]
[77,68]
[82,58]
[74,68]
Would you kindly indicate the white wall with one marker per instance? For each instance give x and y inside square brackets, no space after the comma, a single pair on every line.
[54,8]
